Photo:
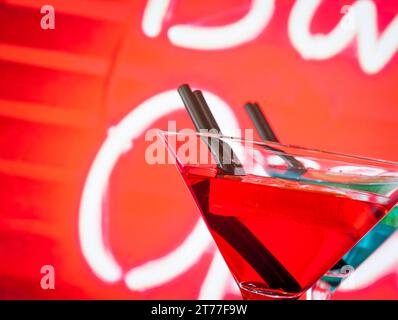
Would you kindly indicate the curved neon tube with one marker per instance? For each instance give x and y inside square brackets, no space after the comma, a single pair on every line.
[227,36]
[119,140]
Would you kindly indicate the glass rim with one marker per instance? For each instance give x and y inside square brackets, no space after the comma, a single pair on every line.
[317,152]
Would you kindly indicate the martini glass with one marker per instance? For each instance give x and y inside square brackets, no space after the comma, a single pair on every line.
[324,287]
[281,215]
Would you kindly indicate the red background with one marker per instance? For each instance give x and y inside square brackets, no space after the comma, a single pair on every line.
[60,91]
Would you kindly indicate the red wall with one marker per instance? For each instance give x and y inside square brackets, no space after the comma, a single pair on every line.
[61,90]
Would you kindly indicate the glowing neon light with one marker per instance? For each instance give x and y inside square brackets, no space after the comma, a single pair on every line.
[316,46]
[154,13]
[374,51]
[227,36]
[120,139]
[358,23]
[165,269]
[217,279]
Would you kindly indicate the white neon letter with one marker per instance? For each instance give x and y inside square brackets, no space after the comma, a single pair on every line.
[374,50]
[228,36]
[317,46]
[119,140]
[154,13]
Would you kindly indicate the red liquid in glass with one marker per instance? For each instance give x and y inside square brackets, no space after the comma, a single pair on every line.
[277,236]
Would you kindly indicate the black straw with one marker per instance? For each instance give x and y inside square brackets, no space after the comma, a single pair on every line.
[260,122]
[211,121]
[230,228]
[193,107]
[264,130]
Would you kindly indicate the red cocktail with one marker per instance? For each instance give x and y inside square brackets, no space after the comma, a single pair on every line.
[279,227]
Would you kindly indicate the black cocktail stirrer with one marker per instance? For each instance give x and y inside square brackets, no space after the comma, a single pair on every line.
[203,119]
[261,124]
[230,228]
[264,130]
[226,153]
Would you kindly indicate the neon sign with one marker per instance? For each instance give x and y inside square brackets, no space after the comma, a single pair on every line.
[374,51]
